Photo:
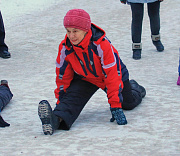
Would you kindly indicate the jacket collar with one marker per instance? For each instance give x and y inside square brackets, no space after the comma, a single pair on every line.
[85,42]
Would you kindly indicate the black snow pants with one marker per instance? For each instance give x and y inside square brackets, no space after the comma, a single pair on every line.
[5,96]
[79,93]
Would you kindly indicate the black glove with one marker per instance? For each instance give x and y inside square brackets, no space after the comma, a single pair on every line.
[123,1]
[3,123]
[118,115]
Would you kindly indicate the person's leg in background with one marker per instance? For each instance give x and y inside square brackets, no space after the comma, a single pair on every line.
[3,47]
[154,16]
[5,97]
[136,28]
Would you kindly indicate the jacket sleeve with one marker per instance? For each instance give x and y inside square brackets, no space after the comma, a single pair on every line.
[113,77]
[64,73]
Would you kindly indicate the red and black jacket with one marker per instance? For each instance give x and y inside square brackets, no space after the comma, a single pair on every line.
[95,60]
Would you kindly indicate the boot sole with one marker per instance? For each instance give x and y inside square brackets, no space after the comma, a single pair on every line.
[45,114]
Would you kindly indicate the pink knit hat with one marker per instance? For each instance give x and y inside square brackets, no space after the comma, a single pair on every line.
[77,18]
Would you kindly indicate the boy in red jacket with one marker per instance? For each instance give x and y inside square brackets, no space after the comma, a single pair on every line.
[87,61]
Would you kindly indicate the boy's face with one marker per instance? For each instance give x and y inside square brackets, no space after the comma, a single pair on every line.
[75,35]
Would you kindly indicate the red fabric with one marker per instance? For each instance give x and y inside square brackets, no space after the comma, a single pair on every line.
[105,59]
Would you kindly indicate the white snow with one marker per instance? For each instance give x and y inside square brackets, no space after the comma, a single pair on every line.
[34,30]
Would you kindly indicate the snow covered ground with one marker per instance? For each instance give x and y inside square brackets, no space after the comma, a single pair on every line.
[33,31]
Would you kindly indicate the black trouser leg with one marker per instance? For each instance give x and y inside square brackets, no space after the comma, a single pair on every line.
[131,96]
[137,19]
[153,12]
[3,46]
[5,96]
[74,100]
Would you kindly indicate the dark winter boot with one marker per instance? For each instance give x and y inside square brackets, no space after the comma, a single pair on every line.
[50,122]
[137,47]
[136,86]
[5,83]
[157,42]
[5,54]
[3,123]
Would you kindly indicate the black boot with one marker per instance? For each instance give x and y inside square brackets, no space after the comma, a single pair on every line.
[5,54]
[136,50]
[3,123]
[136,54]
[4,83]
[50,122]
[157,42]
[135,85]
